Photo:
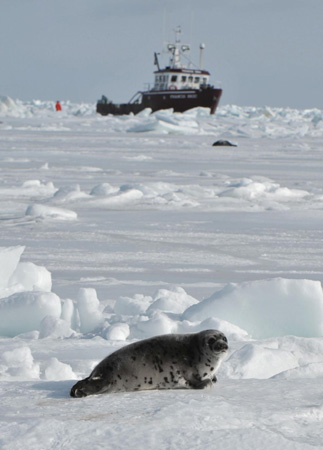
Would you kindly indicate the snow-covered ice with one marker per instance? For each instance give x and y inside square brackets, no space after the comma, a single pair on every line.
[115,229]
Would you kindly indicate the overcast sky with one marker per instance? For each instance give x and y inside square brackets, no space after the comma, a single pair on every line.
[265,52]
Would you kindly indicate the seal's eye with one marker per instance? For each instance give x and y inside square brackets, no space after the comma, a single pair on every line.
[224,339]
[211,341]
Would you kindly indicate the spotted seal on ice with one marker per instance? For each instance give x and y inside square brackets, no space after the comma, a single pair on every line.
[162,362]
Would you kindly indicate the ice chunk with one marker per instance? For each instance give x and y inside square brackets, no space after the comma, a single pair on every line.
[31,277]
[313,370]
[10,108]
[158,323]
[232,332]
[260,189]
[103,189]
[9,259]
[55,328]
[166,122]
[44,211]
[175,301]
[23,312]
[69,194]
[267,308]
[256,361]
[70,314]
[19,364]
[57,371]
[37,188]
[118,332]
[132,306]
[89,310]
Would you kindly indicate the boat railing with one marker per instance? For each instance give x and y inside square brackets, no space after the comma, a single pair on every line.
[147,86]
[135,98]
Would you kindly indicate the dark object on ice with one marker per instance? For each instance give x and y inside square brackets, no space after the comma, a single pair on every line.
[224,143]
[162,362]
[175,86]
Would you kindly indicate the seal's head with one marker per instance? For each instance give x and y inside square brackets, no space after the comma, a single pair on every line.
[88,386]
[213,342]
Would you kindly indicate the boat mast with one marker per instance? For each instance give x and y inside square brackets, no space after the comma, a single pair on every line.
[176,50]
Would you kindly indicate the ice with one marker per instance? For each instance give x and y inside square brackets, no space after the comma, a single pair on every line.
[278,358]
[138,226]
[232,332]
[250,190]
[118,332]
[57,371]
[54,327]
[69,194]
[124,196]
[175,301]
[88,306]
[253,361]
[39,108]
[9,259]
[30,277]
[19,364]
[44,211]
[157,323]
[104,189]
[70,313]
[168,123]
[312,370]
[267,308]
[24,311]
[256,193]
[36,187]
[8,107]
[132,306]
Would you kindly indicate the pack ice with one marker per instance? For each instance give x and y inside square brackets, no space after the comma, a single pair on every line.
[115,229]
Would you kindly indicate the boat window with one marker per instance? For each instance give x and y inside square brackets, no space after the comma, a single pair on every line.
[190,79]
[197,80]
[174,78]
[204,80]
[183,78]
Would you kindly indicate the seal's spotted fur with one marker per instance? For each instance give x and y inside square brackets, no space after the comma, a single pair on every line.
[162,362]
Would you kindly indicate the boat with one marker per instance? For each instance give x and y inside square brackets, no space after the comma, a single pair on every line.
[177,86]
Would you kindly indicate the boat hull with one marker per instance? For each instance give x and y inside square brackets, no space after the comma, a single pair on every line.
[179,100]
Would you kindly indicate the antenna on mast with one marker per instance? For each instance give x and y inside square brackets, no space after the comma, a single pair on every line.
[164,28]
[178,31]
[202,47]
[191,28]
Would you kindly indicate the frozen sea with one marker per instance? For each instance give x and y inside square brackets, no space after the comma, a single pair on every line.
[115,229]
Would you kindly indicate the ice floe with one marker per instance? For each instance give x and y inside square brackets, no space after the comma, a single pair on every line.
[264,308]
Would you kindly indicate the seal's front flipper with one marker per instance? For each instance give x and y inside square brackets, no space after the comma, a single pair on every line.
[204,384]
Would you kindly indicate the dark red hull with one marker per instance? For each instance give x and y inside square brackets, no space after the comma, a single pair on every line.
[180,101]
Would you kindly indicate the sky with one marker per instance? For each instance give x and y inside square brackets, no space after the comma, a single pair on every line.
[264,52]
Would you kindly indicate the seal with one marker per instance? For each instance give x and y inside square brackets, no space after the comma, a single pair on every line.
[224,143]
[162,362]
